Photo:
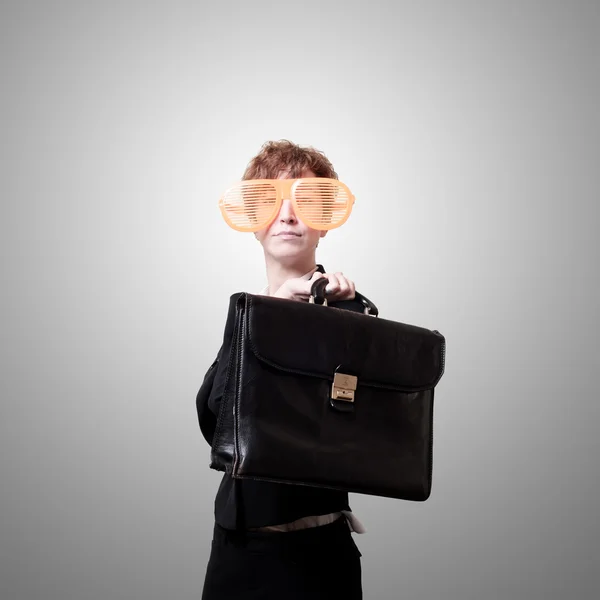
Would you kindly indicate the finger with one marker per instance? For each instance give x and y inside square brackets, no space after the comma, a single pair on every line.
[344,284]
[352,292]
[349,292]
[346,290]
[334,284]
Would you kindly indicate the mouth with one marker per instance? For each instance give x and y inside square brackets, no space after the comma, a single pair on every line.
[287,234]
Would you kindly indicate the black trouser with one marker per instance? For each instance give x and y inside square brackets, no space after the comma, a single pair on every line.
[316,563]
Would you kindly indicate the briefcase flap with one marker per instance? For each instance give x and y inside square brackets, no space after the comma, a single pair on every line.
[317,340]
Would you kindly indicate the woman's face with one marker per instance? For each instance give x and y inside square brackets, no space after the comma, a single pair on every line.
[287,236]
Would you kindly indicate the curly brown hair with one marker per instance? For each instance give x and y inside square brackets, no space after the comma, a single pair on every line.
[283,155]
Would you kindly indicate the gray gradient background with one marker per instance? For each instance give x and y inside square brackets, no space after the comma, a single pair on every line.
[468,131]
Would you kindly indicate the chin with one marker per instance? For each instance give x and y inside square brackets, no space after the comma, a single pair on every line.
[287,253]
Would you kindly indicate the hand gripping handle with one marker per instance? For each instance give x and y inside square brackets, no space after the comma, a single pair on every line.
[317,296]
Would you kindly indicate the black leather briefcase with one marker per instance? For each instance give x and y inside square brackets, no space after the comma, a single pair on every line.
[320,396]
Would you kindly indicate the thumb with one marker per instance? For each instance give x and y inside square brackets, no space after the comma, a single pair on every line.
[312,275]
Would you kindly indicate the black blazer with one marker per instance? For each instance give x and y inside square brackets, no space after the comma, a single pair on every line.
[243,503]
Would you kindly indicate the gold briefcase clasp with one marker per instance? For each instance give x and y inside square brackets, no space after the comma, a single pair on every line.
[343,387]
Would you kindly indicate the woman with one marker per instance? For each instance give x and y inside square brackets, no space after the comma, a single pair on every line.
[296,541]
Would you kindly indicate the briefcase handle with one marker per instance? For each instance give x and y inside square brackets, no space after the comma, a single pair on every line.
[317,296]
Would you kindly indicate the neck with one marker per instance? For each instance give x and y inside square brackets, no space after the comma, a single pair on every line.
[279,272]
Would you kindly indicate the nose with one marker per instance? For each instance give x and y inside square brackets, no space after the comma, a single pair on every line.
[286,213]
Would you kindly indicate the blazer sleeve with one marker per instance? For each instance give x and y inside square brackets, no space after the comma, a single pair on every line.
[208,399]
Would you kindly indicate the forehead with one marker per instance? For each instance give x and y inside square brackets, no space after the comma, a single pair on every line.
[304,173]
